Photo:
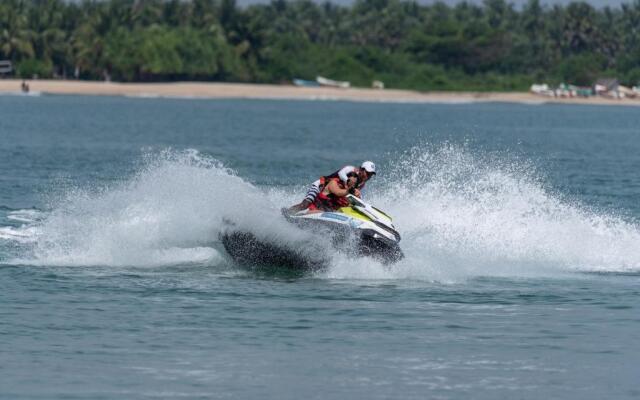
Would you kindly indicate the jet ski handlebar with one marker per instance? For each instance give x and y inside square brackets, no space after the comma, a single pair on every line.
[355,201]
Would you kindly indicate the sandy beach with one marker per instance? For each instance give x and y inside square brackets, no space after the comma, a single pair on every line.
[263,91]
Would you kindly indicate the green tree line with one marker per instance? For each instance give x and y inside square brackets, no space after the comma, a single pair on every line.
[492,46]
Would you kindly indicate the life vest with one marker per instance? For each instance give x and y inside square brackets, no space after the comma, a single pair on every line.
[329,202]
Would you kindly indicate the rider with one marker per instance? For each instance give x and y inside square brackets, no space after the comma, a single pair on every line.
[333,195]
[365,172]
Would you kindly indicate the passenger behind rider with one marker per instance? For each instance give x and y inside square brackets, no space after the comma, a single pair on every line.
[365,172]
[333,195]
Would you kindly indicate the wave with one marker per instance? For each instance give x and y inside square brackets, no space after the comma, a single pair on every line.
[28,215]
[20,93]
[461,215]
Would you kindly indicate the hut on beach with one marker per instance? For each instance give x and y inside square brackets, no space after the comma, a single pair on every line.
[607,87]
[5,67]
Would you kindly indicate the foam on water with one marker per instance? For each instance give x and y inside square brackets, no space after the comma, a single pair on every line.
[24,234]
[21,93]
[466,215]
[170,212]
[27,215]
[460,215]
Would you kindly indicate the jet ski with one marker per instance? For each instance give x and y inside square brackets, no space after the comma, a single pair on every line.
[359,229]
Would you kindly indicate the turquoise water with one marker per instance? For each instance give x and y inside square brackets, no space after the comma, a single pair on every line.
[519,223]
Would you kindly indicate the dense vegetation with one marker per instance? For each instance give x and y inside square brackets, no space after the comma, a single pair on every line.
[406,45]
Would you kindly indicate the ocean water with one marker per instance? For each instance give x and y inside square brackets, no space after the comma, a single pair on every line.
[520,227]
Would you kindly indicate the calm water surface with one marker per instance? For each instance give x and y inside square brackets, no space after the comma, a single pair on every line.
[519,223]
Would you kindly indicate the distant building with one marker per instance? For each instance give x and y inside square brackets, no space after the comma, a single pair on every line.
[608,87]
[5,67]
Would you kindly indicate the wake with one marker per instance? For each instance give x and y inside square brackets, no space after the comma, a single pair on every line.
[460,215]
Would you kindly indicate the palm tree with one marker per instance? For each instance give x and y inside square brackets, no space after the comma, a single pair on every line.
[580,31]
[49,19]
[15,36]
[88,43]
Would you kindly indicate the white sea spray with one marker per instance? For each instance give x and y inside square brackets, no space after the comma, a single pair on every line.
[460,214]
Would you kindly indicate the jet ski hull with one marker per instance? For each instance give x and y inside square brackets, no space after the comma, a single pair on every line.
[249,251]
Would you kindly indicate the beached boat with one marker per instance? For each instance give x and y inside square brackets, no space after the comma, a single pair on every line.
[542,90]
[330,82]
[305,83]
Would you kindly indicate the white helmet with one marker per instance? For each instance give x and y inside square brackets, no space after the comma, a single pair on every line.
[369,166]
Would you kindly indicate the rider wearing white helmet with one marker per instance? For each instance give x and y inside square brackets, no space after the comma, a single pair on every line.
[364,172]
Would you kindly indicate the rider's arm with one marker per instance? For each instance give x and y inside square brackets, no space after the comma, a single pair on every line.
[342,174]
[334,188]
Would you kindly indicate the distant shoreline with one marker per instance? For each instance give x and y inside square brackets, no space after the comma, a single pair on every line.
[214,90]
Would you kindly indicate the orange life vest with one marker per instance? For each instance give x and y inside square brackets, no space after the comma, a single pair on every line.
[329,202]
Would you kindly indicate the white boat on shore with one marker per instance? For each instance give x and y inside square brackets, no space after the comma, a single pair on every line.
[305,83]
[330,82]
